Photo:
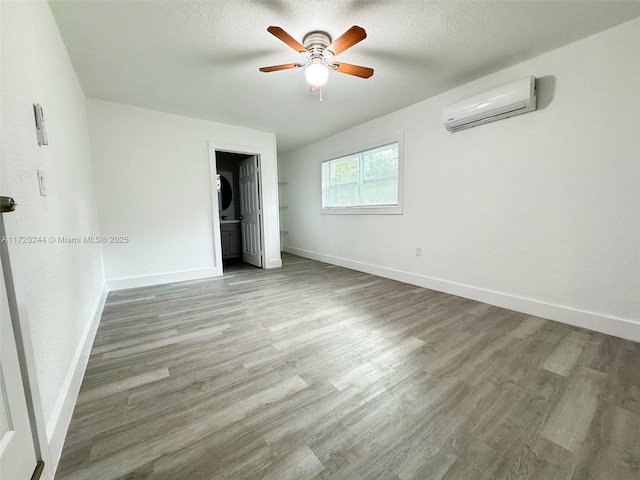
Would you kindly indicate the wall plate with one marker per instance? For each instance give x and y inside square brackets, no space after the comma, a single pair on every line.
[41,132]
[41,183]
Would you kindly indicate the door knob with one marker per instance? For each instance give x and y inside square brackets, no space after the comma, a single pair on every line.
[7,204]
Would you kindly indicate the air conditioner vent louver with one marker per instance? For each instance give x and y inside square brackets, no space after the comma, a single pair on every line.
[507,101]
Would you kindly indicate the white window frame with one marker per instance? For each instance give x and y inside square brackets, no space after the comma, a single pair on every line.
[373,209]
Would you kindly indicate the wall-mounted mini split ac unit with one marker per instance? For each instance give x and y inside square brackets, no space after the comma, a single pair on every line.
[509,100]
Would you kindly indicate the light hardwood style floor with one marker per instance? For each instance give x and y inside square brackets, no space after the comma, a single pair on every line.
[318,372]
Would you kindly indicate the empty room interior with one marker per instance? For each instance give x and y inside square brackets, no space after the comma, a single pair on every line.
[295,240]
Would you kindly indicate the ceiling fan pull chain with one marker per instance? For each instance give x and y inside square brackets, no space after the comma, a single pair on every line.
[320,94]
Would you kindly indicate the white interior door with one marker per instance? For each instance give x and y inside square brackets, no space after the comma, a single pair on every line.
[17,451]
[251,212]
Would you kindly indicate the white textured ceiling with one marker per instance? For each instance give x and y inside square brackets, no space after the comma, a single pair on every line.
[201,59]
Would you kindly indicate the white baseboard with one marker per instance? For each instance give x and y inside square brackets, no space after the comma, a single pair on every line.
[617,327]
[161,279]
[58,424]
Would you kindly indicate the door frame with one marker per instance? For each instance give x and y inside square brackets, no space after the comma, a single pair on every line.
[217,237]
[26,359]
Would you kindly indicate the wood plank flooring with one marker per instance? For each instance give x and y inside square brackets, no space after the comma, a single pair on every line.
[318,372]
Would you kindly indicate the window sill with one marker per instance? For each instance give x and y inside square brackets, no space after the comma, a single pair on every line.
[396,210]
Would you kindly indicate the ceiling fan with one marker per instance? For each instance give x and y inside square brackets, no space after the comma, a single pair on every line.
[319,51]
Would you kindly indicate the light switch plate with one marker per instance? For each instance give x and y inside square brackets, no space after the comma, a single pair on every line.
[41,132]
[41,183]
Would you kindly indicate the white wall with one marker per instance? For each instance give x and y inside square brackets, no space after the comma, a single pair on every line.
[59,286]
[538,213]
[153,185]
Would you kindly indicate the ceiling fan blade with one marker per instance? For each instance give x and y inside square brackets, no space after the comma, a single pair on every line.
[348,39]
[286,38]
[275,68]
[355,70]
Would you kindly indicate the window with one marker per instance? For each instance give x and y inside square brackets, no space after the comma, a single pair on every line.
[365,182]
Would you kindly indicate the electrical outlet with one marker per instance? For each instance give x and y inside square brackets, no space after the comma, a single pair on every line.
[418,251]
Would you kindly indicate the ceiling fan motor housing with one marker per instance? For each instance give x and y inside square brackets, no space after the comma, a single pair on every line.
[316,43]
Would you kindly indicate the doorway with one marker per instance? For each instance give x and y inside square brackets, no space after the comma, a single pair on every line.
[239,203]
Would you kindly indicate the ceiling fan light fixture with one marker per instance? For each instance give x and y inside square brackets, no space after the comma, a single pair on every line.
[316,72]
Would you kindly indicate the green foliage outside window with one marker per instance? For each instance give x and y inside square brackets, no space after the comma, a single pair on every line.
[365,179]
